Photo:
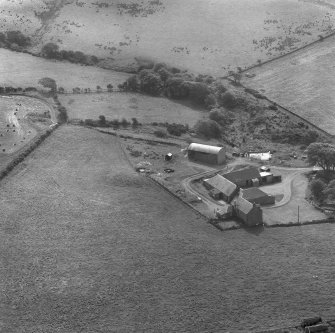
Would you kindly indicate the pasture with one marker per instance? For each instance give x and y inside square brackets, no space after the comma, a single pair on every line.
[303,82]
[200,35]
[24,70]
[86,244]
[117,105]
[15,130]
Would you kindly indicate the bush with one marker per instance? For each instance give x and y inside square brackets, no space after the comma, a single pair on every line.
[198,92]
[208,128]
[160,133]
[317,187]
[177,129]
[227,100]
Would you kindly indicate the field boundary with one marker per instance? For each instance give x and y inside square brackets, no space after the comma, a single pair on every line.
[283,55]
[290,112]
[26,151]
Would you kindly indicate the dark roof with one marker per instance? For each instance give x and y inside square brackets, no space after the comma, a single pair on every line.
[253,193]
[242,175]
[243,205]
[222,184]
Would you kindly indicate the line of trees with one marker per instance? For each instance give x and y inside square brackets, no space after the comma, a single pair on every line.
[52,51]
[14,40]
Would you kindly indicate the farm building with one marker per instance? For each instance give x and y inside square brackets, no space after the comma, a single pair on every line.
[221,188]
[257,196]
[244,178]
[251,214]
[206,154]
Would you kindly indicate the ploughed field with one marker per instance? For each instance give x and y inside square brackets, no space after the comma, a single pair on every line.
[302,82]
[88,245]
[15,130]
[206,36]
[118,105]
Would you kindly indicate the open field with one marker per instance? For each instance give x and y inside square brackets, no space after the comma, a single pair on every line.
[15,130]
[200,35]
[302,82]
[24,70]
[146,109]
[87,245]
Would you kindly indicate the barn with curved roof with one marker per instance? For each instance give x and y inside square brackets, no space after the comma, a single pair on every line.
[206,153]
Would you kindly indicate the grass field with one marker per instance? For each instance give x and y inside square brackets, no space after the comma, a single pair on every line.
[15,130]
[88,245]
[128,105]
[24,70]
[200,35]
[302,82]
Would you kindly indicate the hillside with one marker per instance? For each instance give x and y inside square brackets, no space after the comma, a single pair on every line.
[200,35]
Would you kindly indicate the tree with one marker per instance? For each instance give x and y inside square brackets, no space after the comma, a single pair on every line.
[227,100]
[208,128]
[47,82]
[150,82]
[177,88]
[102,120]
[322,154]
[135,123]
[236,76]
[17,37]
[80,57]
[198,92]
[50,50]
[317,187]
[109,87]
[132,83]
[98,89]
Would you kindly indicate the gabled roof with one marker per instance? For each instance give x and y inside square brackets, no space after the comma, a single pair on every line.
[243,205]
[242,175]
[204,148]
[253,193]
[222,184]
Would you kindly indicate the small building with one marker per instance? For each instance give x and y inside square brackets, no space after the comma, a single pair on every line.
[251,214]
[206,154]
[266,177]
[245,177]
[260,156]
[257,196]
[220,188]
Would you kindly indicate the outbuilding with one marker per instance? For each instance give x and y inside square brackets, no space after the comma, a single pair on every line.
[257,196]
[221,188]
[251,214]
[206,153]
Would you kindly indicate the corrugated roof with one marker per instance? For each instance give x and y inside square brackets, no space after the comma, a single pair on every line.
[242,175]
[253,193]
[265,174]
[204,148]
[243,205]
[222,184]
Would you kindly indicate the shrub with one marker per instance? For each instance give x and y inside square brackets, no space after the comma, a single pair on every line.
[102,120]
[177,88]
[177,129]
[124,123]
[198,92]
[208,128]
[317,187]
[227,100]
[135,123]
[160,133]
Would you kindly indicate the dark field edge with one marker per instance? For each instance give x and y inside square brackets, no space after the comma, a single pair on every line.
[21,155]
[26,151]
